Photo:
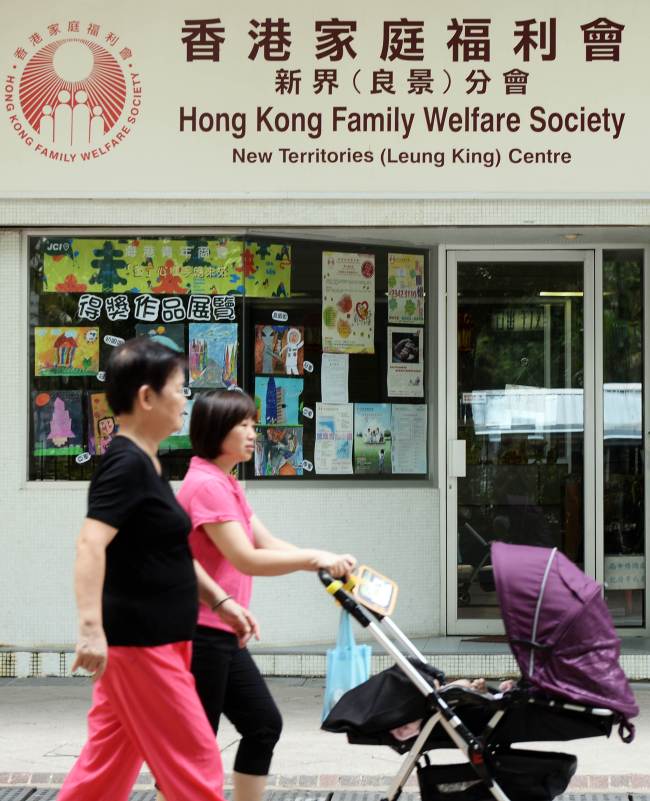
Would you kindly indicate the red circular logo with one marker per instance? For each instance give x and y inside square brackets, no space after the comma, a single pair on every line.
[367,269]
[73,98]
[72,92]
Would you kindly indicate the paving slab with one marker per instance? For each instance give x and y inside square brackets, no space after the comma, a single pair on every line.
[43,727]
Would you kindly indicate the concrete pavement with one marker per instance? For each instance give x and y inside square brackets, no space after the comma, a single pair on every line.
[43,728]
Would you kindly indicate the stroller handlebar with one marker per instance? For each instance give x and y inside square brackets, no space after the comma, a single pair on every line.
[341,592]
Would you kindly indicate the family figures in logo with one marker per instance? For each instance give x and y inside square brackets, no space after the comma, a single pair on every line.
[72,124]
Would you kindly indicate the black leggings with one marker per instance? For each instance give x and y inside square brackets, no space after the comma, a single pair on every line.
[228,681]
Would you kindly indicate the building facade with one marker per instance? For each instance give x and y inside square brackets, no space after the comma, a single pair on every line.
[506,402]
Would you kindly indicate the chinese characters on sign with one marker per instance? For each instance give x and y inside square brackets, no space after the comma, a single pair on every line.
[150,309]
[197,267]
[468,41]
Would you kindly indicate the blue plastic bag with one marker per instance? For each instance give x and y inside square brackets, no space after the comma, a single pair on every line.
[348,665]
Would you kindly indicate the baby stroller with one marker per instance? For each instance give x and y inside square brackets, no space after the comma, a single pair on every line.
[572,686]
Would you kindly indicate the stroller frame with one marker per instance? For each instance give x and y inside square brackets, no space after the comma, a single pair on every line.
[384,630]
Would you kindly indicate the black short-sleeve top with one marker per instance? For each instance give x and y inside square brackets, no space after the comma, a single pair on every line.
[150,592]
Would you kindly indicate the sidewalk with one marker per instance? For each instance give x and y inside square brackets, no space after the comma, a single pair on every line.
[43,727]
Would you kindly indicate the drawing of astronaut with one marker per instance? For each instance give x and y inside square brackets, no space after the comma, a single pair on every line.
[293,346]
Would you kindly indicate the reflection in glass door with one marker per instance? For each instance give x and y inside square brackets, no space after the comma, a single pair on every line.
[623,467]
[519,384]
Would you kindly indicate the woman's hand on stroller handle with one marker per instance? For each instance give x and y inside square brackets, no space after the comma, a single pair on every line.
[335,565]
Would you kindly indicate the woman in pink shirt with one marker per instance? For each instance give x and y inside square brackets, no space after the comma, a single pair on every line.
[232,545]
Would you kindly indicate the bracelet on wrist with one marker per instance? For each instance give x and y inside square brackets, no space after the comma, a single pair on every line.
[222,601]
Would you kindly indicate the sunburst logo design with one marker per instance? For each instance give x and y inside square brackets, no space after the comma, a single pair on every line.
[72,93]
[75,97]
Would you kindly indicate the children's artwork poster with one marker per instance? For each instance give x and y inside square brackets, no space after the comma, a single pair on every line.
[58,423]
[405,362]
[279,349]
[278,400]
[406,288]
[348,302]
[334,433]
[212,354]
[268,270]
[102,424]
[172,335]
[372,438]
[66,351]
[278,451]
[334,370]
[180,440]
[409,438]
[158,266]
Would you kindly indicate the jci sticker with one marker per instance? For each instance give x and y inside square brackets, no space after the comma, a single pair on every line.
[307,465]
[280,316]
[101,376]
[309,367]
[83,458]
[308,413]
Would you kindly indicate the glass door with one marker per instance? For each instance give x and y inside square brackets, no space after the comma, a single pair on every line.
[520,420]
[623,459]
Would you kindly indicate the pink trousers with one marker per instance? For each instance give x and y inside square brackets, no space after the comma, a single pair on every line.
[145,708]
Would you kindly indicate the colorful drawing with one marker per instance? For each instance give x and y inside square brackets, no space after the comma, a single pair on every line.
[171,334]
[180,440]
[212,354]
[66,351]
[278,451]
[279,349]
[268,270]
[159,266]
[58,427]
[278,400]
[372,438]
[102,424]
[108,267]
[406,288]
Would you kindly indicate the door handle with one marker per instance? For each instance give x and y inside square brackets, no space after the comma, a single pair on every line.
[456,461]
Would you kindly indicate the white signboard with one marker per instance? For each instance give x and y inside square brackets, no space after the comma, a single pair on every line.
[285,98]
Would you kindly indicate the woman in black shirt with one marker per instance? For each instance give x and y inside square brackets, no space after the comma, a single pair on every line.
[137,591]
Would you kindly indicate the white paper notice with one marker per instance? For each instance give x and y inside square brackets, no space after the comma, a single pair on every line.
[334,426]
[348,302]
[409,438]
[334,377]
[405,377]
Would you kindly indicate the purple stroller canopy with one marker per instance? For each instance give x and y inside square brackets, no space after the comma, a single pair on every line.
[560,630]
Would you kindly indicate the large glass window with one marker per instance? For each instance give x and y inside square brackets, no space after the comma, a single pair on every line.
[623,453]
[328,337]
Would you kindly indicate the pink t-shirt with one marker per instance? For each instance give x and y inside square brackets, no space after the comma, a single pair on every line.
[209,495]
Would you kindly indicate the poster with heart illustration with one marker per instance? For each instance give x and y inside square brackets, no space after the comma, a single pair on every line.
[348,302]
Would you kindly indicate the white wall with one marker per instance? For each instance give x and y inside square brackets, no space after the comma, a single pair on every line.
[394,528]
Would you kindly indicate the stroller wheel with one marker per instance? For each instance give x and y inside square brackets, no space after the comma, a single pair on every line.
[464,598]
